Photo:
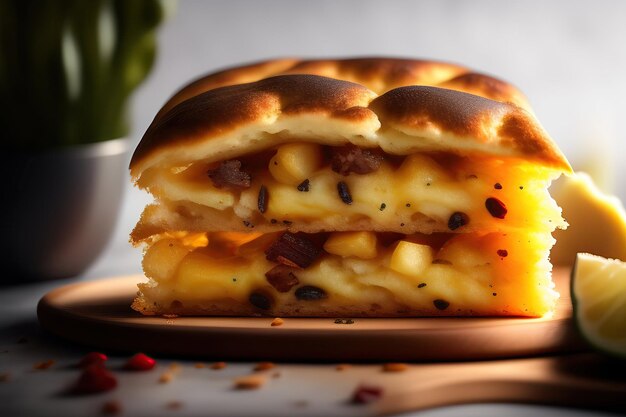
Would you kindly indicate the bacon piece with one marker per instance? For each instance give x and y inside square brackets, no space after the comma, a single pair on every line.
[351,158]
[282,278]
[229,174]
[293,250]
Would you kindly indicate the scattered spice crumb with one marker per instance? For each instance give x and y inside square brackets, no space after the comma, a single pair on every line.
[44,364]
[366,394]
[248,224]
[174,405]
[344,321]
[494,293]
[382,206]
[408,204]
[218,365]
[199,365]
[503,253]
[273,221]
[395,367]
[521,187]
[457,219]
[342,367]
[263,366]
[496,208]
[421,285]
[112,407]
[170,316]
[250,382]
[497,186]
[262,199]
[277,322]
[166,378]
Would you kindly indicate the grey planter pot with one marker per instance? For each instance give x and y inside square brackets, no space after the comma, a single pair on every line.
[58,209]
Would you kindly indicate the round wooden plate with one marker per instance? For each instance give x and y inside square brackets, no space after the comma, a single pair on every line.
[98,313]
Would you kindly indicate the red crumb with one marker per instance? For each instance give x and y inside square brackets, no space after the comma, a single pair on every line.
[93,379]
[93,358]
[366,394]
[140,362]
[112,407]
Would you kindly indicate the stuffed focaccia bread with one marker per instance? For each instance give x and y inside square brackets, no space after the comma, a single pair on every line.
[394,188]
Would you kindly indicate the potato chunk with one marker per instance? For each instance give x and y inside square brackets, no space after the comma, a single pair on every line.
[162,258]
[357,244]
[295,162]
[410,258]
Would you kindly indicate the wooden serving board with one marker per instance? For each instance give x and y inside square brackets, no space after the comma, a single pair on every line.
[98,313]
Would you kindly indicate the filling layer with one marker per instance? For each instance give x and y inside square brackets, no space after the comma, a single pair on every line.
[308,187]
[356,273]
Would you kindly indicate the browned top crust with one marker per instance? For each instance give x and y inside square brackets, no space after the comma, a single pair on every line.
[371,102]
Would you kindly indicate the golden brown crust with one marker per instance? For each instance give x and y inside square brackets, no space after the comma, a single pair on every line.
[470,122]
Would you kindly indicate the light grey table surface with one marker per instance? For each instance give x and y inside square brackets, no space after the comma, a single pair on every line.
[568,56]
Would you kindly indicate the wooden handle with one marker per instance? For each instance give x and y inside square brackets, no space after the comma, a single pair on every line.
[582,380]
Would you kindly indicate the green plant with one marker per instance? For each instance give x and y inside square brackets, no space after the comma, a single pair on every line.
[68,67]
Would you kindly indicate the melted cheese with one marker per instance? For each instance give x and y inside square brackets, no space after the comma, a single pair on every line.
[469,271]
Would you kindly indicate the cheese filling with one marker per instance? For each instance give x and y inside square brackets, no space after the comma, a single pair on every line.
[442,274]
[420,192]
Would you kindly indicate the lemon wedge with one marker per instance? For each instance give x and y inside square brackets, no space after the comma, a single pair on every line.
[599,299]
[597,221]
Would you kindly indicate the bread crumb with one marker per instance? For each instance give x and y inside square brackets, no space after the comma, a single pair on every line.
[112,407]
[218,365]
[254,381]
[174,405]
[199,365]
[342,367]
[166,377]
[395,367]
[44,365]
[264,366]
[277,322]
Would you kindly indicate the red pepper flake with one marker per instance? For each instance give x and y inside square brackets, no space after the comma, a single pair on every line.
[344,192]
[366,394]
[497,186]
[112,407]
[140,362]
[495,207]
[304,186]
[503,253]
[441,304]
[93,358]
[42,366]
[94,379]
[293,250]
[457,219]
[262,199]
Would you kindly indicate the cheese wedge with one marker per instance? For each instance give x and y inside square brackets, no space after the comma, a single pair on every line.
[394,188]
